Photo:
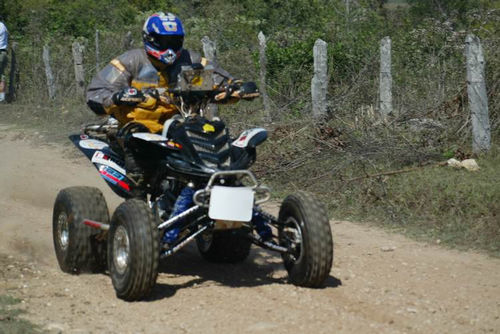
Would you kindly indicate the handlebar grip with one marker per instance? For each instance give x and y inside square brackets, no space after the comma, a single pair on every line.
[236,94]
[250,96]
[220,96]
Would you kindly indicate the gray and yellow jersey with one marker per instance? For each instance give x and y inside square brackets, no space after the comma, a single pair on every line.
[135,69]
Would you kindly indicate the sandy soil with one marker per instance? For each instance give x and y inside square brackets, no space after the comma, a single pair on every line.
[380,282]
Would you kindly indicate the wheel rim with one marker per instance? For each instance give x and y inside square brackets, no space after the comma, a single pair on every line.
[63,230]
[291,237]
[121,249]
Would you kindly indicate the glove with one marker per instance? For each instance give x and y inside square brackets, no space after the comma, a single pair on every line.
[152,92]
[151,96]
[249,91]
[230,92]
[238,90]
[128,97]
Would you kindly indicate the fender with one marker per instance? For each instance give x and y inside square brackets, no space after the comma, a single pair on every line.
[251,138]
[88,145]
[108,164]
[147,136]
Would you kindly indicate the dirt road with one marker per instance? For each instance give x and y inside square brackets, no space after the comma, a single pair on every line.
[380,282]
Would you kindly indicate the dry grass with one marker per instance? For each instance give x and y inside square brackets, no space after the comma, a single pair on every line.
[10,323]
[457,207]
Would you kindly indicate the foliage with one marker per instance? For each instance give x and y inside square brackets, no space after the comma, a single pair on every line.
[457,11]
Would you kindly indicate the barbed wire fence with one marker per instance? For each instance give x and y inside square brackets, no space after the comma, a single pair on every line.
[475,64]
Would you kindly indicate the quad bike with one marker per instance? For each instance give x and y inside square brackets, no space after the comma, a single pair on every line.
[199,188]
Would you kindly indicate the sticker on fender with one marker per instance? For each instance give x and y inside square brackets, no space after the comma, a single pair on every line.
[231,203]
[102,159]
[92,144]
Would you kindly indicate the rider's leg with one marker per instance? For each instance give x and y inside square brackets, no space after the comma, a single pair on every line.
[262,226]
[183,203]
[133,165]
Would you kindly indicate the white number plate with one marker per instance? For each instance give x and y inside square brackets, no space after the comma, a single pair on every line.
[231,203]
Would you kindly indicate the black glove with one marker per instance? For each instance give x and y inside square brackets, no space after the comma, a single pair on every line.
[128,97]
[234,85]
[249,91]
[153,92]
[237,90]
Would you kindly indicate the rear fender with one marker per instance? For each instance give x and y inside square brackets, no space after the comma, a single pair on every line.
[109,165]
[88,145]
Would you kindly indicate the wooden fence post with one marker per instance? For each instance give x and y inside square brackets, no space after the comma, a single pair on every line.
[476,91]
[385,89]
[48,72]
[13,75]
[97,52]
[319,82]
[210,52]
[79,71]
[263,84]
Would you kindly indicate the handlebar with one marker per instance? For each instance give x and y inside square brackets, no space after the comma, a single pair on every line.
[246,91]
[196,88]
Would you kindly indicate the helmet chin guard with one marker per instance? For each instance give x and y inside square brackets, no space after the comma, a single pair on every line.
[170,56]
[163,37]
[167,57]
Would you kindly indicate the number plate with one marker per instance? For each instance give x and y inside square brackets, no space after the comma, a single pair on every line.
[231,203]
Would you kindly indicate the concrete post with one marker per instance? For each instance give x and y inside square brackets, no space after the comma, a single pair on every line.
[13,75]
[79,71]
[127,41]
[48,72]
[319,83]
[385,89]
[97,52]
[210,52]
[209,49]
[263,84]
[476,91]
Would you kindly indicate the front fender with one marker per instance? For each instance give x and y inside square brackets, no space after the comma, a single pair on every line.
[251,138]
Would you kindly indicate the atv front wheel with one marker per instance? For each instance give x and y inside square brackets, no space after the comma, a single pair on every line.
[77,246]
[224,246]
[305,231]
[133,250]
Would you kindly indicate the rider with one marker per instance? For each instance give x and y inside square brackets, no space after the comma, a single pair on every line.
[125,88]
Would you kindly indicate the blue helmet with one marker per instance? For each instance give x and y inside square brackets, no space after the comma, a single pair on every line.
[163,36]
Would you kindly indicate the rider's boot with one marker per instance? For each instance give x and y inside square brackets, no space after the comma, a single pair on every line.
[135,174]
[262,226]
[183,202]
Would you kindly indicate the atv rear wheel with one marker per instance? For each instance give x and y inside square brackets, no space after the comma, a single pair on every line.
[306,233]
[77,246]
[225,246]
[133,250]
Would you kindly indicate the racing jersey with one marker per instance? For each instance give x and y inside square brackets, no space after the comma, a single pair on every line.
[135,69]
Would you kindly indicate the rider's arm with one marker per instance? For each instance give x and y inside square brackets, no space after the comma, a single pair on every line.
[233,87]
[113,78]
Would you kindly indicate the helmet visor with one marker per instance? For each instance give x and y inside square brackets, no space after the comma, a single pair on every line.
[164,42]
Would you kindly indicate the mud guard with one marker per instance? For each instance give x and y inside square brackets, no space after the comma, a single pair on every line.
[251,138]
[243,152]
[109,165]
